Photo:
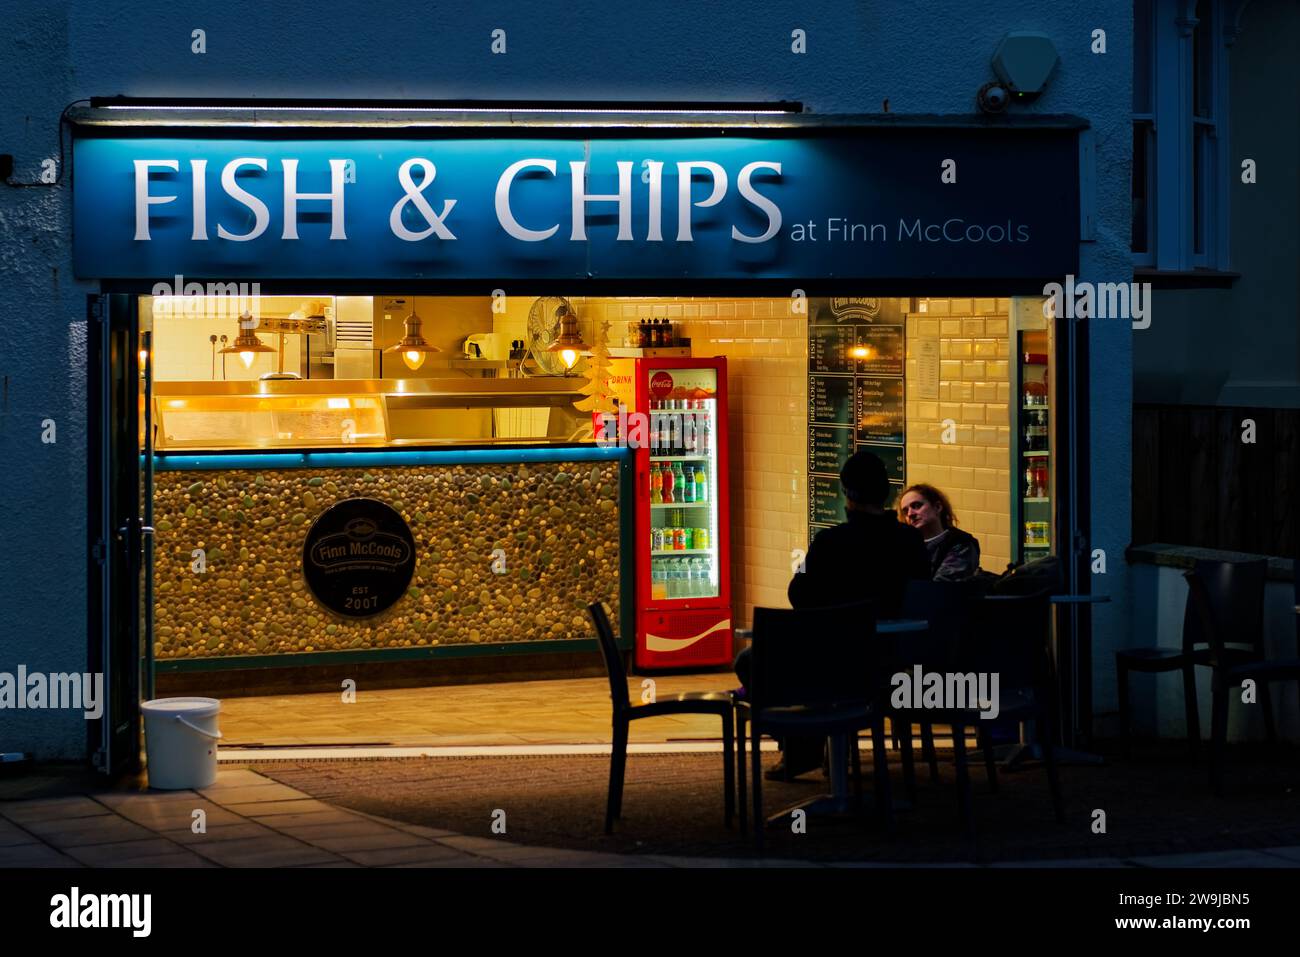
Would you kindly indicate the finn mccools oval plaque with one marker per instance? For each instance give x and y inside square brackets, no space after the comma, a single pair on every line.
[359,557]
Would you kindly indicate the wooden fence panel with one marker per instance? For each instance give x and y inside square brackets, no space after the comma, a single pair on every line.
[1196,482]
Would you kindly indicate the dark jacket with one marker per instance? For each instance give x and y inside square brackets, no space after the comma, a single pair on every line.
[868,558]
[954,555]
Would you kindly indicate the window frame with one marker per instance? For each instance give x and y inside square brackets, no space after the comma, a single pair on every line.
[1174,196]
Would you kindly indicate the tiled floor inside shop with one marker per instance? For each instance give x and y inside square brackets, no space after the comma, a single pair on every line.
[573,711]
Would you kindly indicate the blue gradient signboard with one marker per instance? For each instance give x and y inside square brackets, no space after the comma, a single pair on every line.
[872,203]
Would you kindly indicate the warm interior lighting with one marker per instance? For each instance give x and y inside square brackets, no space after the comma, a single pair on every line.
[413,349]
[335,403]
[860,352]
[144,358]
[569,344]
[246,344]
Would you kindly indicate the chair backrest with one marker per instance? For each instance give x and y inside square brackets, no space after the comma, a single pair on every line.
[1225,604]
[945,607]
[613,657]
[1010,635]
[815,656]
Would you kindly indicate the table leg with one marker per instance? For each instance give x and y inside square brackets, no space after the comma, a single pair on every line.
[839,803]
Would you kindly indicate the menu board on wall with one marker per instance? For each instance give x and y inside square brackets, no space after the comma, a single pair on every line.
[828,348]
[892,456]
[855,396]
[879,409]
[884,345]
[830,400]
[829,448]
[825,500]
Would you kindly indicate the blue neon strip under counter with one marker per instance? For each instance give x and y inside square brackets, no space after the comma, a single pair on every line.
[173,462]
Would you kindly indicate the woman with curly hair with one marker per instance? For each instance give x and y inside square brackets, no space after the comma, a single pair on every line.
[954,554]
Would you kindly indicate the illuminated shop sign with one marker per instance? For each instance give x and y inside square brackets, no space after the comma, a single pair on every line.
[867,205]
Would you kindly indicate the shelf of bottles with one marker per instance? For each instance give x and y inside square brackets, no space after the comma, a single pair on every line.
[683,499]
[1036,492]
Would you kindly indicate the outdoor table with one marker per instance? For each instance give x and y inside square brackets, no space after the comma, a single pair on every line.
[839,802]
[885,626]
[1016,754]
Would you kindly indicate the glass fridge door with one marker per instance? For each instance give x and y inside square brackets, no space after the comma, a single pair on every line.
[1037,471]
[683,411]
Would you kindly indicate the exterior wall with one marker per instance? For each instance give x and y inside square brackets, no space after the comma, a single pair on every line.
[1241,346]
[927,59]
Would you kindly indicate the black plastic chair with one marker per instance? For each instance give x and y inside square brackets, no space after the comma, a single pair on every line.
[1229,617]
[945,607]
[1235,593]
[815,671]
[689,702]
[1009,635]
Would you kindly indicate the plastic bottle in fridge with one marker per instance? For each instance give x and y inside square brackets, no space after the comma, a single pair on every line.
[658,580]
[701,578]
[685,480]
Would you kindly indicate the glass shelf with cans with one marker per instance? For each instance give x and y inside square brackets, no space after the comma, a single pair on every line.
[683,552]
[676,538]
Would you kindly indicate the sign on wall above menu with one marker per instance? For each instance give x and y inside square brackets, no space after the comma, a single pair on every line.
[805,204]
[855,396]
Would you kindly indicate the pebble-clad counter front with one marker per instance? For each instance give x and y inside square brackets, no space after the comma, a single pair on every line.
[557,524]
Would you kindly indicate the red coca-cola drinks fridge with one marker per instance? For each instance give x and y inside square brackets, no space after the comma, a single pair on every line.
[683,546]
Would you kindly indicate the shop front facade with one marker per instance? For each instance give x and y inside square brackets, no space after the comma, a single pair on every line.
[869,280]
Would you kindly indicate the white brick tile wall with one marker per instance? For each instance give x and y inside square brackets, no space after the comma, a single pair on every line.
[974,391]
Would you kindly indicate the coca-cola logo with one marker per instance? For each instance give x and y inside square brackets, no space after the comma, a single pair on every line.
[661,385]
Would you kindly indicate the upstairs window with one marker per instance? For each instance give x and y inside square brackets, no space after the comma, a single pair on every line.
[1179,184]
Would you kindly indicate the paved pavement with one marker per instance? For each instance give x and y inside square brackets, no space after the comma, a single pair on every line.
[252,821]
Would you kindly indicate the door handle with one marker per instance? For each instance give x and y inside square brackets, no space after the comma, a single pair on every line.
[146,531]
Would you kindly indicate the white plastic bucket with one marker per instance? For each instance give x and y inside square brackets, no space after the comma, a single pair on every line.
[180,737]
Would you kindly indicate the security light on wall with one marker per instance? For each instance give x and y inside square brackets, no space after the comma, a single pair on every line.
[1023,62]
